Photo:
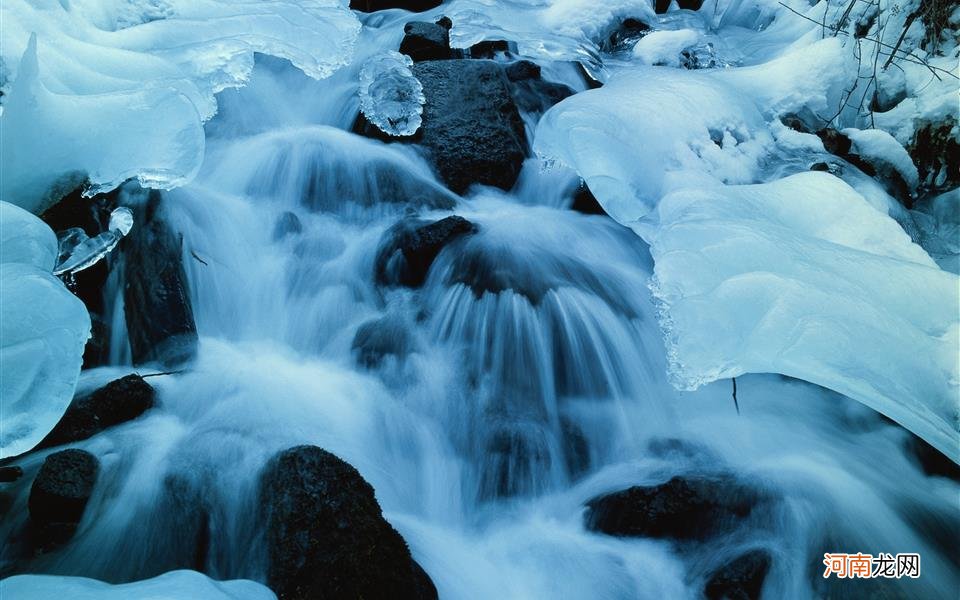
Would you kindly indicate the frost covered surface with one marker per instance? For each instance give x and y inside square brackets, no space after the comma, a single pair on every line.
[802,276]
[120,89]
[43,330]
[175,584]
[391,97]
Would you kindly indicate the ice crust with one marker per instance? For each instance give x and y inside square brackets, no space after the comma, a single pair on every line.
[120,89]
[800,275]
[391,97]
[43,330]
[169,586]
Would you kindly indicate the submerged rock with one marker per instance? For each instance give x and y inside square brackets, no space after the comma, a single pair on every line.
[159,316]
[380,338]
[326,535]
[682,508]
[10,474]
[426,41]
[410,247]
[411,5]
[585,202]
[60,493]
[119,401]
[741,578]
[471,129]
[288,223]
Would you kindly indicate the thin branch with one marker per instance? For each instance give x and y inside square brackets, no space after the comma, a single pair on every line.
[735,403]
[903,34]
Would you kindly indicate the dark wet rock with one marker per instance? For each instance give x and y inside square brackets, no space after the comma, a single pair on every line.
[523,70]
[741,578]
[119,401]
[287,224]
[585,202]
[472,130]
[60,493]
[411,5]
[932,461]
[661,6]
[537,95]
[682,508]
[159,316]
[624,35]
[795,123]
[380,338]
[92,216]
[489,48]
[326,536]
[820,166]
[426,41]
[10,474]
[410,247]
[936,152]
[835,142]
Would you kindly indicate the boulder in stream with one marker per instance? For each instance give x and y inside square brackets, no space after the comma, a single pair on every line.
[326,535]
[410,247]
[119,401]
[740,579]
[472,130]
[60,493]
[683,508]
[159,316]
[426,41]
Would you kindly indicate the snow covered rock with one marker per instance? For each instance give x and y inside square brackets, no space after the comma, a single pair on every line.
[175,584]
[664,47]
[471,126]
[43,330]
[326,536]
[121,89]
[884,152]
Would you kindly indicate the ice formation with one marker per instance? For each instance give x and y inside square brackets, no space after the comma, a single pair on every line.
[43,330]
[803,277]
[173,584]
[391,97]
[800,276]
[110,91]
[78,252]
[664,47]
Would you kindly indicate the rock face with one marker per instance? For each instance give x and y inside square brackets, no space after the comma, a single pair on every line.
[160,319]
[471,129]
[426,41]
[681,508]
[411,5]
[410,247]
[119,401]
[326,536]
[60,493]
[741,578]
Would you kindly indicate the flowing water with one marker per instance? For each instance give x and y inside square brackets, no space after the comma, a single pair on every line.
[530,377]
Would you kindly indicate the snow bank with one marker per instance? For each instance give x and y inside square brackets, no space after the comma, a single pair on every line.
[43,329]
[120,89]
[172,585]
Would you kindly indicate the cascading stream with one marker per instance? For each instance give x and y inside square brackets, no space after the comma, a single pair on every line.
[531,378]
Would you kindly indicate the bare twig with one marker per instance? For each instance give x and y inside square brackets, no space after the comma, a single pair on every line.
[903,34]
[735,403]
